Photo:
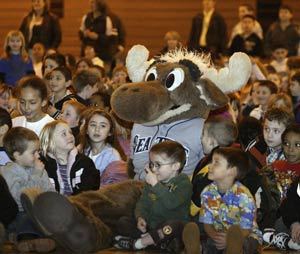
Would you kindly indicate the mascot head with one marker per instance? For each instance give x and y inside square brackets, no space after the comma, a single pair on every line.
[178,85]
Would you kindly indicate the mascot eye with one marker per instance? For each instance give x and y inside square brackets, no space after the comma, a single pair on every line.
[151,74]
[174,79]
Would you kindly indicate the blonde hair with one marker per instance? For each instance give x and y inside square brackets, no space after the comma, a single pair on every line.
[47,137]
[23,52]
[78,107]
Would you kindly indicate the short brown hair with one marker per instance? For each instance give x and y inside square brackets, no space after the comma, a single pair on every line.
[83,79]
[16,140]
[223,130]
[235,157]
[35,83]
[173,150]
[268,84]
[280,115]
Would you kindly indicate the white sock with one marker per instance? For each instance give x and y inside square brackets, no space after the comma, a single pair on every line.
[293,245]
[138,244]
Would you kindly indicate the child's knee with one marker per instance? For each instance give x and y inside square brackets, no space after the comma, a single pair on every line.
[167,231]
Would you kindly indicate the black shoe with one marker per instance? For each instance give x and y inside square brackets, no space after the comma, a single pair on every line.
[124,243]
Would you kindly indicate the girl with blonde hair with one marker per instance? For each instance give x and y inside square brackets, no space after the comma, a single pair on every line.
[15,62]
[70,171]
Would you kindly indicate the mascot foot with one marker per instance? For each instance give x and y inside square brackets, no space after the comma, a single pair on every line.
[27,199]
[60,218]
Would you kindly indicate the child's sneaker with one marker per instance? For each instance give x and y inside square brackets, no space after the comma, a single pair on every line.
[279,240]
[268,235]
[124,243]
[191,238]
[234,240]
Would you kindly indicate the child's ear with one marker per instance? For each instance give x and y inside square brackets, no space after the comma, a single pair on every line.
[176,166]
[16,155]
[44,103]
[233,172]
[68,83]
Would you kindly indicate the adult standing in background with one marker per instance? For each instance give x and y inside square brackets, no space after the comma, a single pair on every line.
[209,31]
[103,30]
[41,26]
[245,9]
[284,32]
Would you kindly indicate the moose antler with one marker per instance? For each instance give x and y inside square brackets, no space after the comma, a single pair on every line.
[136,62]
[232,78]
[228,79]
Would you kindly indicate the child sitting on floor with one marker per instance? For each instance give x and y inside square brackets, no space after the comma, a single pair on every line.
[286,235]
[217,131]
[99,142]
[25,171]
[228,209]
[284,172]
[275,122]
[163,208]
[70,171]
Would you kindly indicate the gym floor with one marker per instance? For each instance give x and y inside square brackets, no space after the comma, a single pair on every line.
[8,249]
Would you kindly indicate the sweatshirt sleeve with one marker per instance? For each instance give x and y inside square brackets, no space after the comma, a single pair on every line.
[90,177]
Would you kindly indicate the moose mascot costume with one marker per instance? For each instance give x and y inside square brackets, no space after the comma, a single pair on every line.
[170,97]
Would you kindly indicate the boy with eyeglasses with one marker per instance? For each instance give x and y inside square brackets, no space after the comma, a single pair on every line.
[162,212]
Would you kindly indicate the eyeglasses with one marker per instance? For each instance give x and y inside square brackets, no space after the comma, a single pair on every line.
[157,165]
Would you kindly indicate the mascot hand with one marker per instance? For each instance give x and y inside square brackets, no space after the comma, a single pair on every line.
[142,224]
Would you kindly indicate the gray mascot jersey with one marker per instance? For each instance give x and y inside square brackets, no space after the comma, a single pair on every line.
[187,132]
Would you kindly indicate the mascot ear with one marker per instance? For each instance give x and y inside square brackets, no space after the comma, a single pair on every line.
[211,94]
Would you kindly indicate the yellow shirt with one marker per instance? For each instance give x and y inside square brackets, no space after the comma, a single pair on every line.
[205,25]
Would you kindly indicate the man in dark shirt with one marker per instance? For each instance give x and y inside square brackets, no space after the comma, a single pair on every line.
[209,31]
[283,32]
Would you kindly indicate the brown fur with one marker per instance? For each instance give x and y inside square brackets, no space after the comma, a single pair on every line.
[104,207]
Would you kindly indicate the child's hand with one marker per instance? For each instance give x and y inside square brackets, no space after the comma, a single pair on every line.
[220,240]
[39,165]
[295,232]
[150,178]
[142,224]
